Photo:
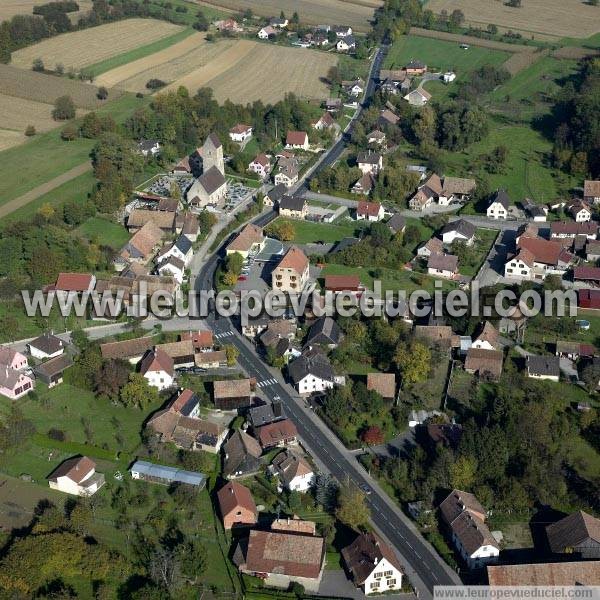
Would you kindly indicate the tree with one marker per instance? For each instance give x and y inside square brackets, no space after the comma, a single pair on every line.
[175,191]
[590,375]
[193,559]
[463,472]
[372,436]
[102,93]
[38,65]
[326,491]
[282,230]
[64,109]
[30,131]
[413,361]
[232,354]
[112,376]
[69,132]
[136,392]
[352,509]
[202,22]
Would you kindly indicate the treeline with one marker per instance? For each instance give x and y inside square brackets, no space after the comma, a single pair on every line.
[52,19]
[577,123]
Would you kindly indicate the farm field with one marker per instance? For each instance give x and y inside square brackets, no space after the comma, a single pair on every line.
[16,114]
[313,12]
[41,87]
[268,72]
[79,49]
[542,18]
[441,55]
[10,8]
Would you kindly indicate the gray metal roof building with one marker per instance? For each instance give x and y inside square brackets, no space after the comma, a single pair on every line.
[163,474]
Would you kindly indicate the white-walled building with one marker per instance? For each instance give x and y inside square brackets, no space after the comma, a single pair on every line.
[76,476]
[46,346]
[157,367]
[293,471]
[498,206]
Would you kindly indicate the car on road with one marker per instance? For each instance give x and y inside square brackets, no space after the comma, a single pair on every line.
[366,489]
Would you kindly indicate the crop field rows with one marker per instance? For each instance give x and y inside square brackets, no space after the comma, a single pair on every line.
[10,8]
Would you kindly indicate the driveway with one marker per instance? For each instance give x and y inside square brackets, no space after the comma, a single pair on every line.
[336,584]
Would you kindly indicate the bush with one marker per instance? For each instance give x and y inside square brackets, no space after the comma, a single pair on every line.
[102,93]
[57,434]
[30,131]
[155,84]
[64,109]
[69,133]
[38,65]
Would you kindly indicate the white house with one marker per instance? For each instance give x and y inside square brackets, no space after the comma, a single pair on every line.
[520,265]
[181,249]
[372,564]
[261,165]
[293,471]
[370,162]
[76,476]
[346,44]
[465,519]
[266,32]
[158,369]
[369,211]
[280,22]
[173,267]
[354,88]
[442,265]
[498,206]
[297,140]
[240,133]
[342,31]
[543,367]
[46,346]
[486,338]
[580,211]
[418,97]
[311,372]
[461,231]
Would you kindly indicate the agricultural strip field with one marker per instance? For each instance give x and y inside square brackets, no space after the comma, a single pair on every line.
[10,8]
[468,39]
[268,72]
[441,55]
[16,114]
[139,53]
[312,12]
[542,18]
[79,49]
[41,87]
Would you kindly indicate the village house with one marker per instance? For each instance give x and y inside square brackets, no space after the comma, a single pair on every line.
[130,350]
[591,191]
[325,121]
[448,77]
[372,564]
[537,258]
[543,367]
[587,275]
[580,211]
[377,138]
[364,185]
[592,250]
[51,371]
[295,207]
[456,189]
[415,67]
[333,104]
[46,345]
[339,284]
[382,383]
[387,118]
[240,133]
[324,332]
[73,284]
[273,196]
[262,414]
[418,97]
[158,369]
[241,454]
[354,88]
[369,211]
[232,394]
[268,32]
[278,434]
[442,265]
[288,171]
[172,267]
[577,534]
[311,372]
[342,31]
[181,249]
[498,206]
[76,476]
[182,352]
[250,240]
[431,246]
[486,337]
[292,273]
[296,140]
[574,350]
[14,384]
[279,22]
[538,212]
[141,246]
[293,472]
[461,231]
[12,359]
[397,223]
[297,558]
[370,162]
[211,360]
[426,193]
[346,44]
[230,25]
[236,505]
[487,364]
[138,217]
[465,518]
[568,229]
[261,165]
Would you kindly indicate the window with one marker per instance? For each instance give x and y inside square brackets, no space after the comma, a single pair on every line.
[374,585]
[388,573]
[391,582]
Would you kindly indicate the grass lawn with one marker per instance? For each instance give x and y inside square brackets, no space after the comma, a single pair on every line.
[525,175]
[584,458]
[481,249]
[529,93]
[307,232]
[140,52]
[105,231]
[441,55]
[51,155]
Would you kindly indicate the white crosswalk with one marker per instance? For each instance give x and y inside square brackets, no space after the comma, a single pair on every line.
[223,334]
[266,382]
